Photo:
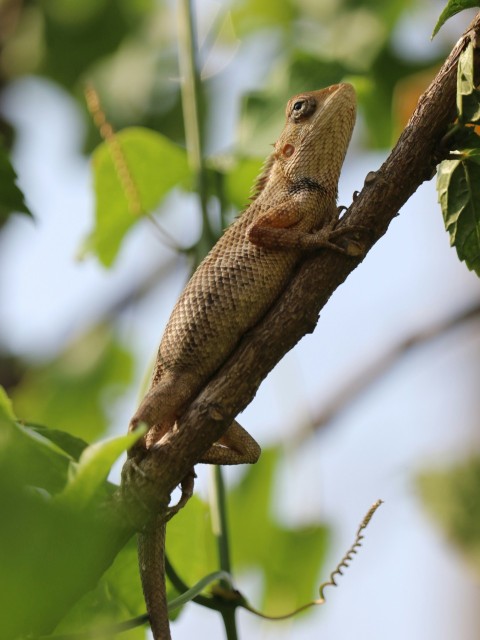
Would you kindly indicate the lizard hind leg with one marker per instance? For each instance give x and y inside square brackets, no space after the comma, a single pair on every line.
[159,409]
[236,446]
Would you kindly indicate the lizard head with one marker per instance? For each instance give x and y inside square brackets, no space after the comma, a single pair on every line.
[316,135]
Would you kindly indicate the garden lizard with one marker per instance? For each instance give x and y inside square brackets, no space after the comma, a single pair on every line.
[293,210]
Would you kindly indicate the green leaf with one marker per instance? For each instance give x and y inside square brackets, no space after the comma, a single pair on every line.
[50,557]
[79,34]
[240,180]
[249,15]
[6,404]
[289,558]
[452,496]
[468,97]
[11,198]
[28,458]
[453,7]
[75,391]
[70,444]
[116,598]
[51,552]
[458,186]
[150,165]
[88,475]
[192,563]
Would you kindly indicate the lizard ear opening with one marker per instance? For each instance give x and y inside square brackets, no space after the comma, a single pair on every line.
[288,150]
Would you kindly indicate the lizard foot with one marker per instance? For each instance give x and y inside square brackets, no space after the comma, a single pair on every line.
[186,486]
[351,243]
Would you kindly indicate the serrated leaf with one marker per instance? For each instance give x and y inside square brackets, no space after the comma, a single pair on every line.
[453,7]
[458,186]
[468,97]
[11,198]
[89,474]
[132,175]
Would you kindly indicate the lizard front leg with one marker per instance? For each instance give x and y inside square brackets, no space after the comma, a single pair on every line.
[276,229]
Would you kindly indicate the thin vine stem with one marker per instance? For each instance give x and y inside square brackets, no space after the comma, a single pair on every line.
[218,508]
[191,93]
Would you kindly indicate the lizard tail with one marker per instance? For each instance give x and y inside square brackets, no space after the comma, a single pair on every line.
[151,554]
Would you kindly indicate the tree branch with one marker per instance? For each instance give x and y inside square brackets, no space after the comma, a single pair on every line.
[295,313]
[364,379]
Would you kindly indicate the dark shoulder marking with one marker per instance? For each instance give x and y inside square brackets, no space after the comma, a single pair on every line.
[306,184]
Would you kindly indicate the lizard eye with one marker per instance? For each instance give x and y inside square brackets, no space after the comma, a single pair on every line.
[302,108]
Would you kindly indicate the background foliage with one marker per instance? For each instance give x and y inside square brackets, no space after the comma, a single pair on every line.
[67,563]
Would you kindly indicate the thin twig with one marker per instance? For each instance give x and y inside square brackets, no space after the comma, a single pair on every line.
[372,373]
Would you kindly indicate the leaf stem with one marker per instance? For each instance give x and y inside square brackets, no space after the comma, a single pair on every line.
[218,510]
[191,104]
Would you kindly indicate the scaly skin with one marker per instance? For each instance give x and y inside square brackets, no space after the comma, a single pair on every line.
[293,211]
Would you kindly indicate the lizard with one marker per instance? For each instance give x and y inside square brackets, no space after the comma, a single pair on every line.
[292,211]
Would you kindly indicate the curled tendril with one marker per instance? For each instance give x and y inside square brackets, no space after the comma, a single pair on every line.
[353,550]
[343,564]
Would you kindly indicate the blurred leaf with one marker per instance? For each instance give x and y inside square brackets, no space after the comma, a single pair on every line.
[76,390]
[406,95]
[458,186]
[50,557]
[309,72]
[117,597]
[11,198]
[262,119]
[386,85]
[468,97]
[50,553]
[453,497]
[389,11]
[6,404]
[290,559]
[150,165]
[249,15]
[453,7]
[240,179]
[90,473]
[70,444]
[192,524]
[78,34]
[31,458]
